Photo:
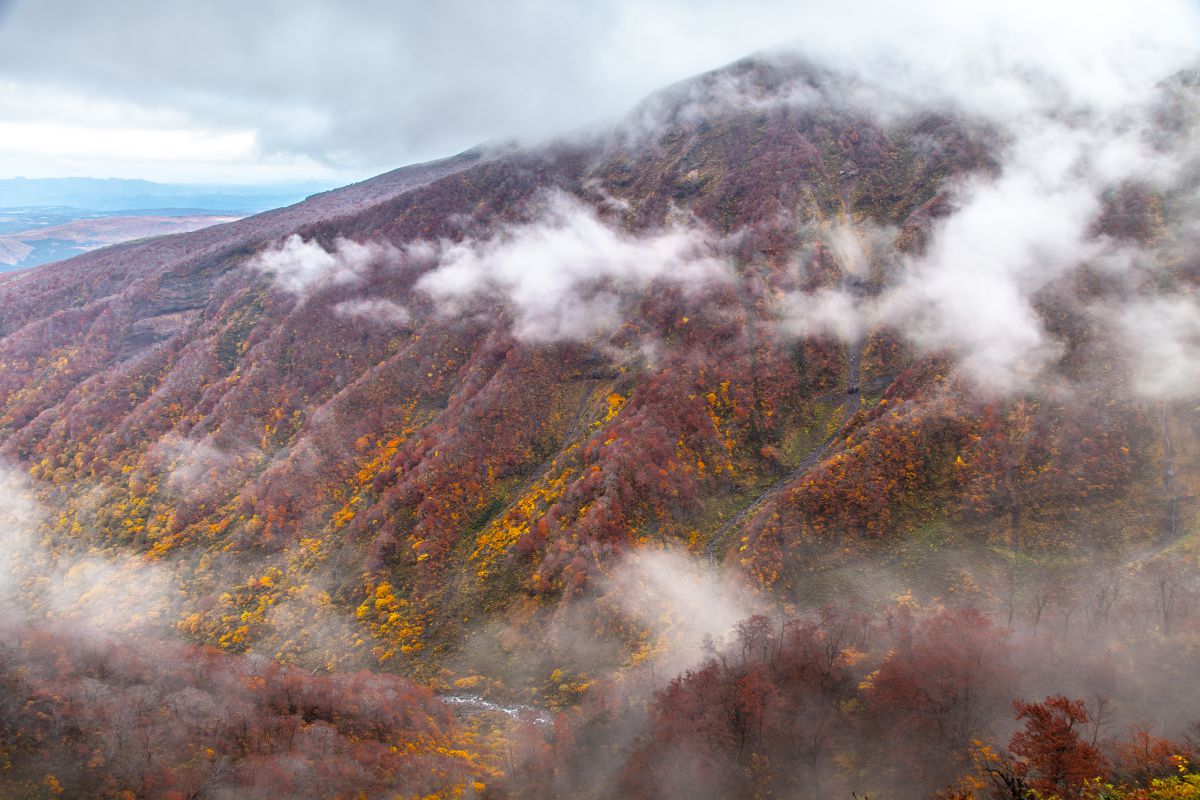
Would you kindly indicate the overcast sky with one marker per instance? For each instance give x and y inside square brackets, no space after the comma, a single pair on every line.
[247,91]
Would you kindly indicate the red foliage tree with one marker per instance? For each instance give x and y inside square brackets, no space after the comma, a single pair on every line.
[1055,759]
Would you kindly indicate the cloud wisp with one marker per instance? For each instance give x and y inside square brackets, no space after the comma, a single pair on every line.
[377,310]
[300,266]
[101,594]
[1161,336]
[568,274]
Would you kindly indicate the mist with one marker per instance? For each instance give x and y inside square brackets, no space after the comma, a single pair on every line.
[837,698]
[1061,145]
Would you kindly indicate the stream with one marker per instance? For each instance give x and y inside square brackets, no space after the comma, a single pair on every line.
[474,705]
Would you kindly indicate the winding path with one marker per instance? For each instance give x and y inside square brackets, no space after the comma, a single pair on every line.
[851,401]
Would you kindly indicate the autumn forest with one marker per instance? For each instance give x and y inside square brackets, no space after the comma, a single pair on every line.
[795,437]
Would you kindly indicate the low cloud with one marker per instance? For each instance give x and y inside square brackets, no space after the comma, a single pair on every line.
[201,470]
[120,593]
[187,462]
[117,594]
[681,600]
[973,291]
[568,274]
[840,310]
[1162,339]
[726,91]
[18,517]
[828,311]
[380,311]
[300,266]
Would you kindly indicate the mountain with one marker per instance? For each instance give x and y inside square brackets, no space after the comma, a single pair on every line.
[538,426]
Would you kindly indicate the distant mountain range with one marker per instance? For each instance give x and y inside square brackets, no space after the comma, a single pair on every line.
[117,194]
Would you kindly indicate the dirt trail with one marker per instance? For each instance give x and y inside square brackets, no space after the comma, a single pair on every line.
[851,401]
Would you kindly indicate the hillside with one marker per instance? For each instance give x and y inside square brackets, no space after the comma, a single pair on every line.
[512,424]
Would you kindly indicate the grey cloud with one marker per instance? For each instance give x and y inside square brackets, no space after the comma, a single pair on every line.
[366,86]
[370,85]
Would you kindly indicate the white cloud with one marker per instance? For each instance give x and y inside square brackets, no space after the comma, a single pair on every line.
[681,600]
[381,311]
[826,311]
[973,290]
[1162,339]
[565,275]
[299,266]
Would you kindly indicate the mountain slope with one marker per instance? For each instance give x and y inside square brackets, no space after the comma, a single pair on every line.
[409,438]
